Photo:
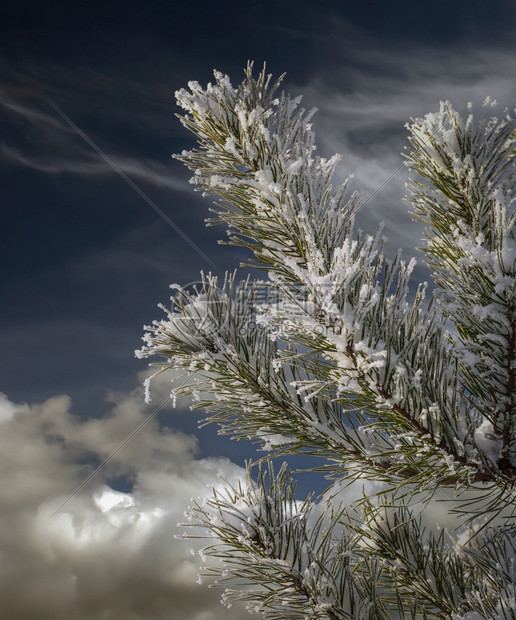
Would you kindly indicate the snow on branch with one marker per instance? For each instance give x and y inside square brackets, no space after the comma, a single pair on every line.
[337,354]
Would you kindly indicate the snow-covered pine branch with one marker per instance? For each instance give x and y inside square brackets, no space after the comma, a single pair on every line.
[416,395]
[306,558]
[464,195]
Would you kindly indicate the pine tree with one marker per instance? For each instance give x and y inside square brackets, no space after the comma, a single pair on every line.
[408,392]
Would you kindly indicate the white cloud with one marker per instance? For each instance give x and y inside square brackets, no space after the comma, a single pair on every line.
[50,144]
[104,553]
[82,161]
[100,552]
[371,91]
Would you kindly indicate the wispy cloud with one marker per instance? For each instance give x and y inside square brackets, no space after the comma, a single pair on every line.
[372,89]
[86,164]
[48,144]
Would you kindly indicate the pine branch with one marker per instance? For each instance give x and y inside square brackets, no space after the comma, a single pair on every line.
[298,564]
[418,395]
[466,199]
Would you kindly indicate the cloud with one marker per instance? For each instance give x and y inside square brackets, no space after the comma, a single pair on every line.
[50,144]
[366,94]
[372,88]
[82,162]
[95,551]
[105,552]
